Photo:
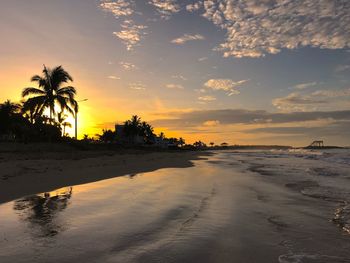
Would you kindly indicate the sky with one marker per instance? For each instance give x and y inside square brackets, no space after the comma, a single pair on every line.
[241,72]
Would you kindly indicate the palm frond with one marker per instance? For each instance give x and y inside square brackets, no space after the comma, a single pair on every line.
[67,124]
[65,104]
[32,91]
[40,80]
[35,105]
[68,91]
[58,76]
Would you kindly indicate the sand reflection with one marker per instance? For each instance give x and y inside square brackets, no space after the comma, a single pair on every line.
[41,211]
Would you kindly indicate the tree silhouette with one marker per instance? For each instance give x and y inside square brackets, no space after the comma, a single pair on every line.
[181,141]
[50,92]
[61,119]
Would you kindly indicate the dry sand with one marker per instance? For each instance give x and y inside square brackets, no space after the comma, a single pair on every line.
[23,173]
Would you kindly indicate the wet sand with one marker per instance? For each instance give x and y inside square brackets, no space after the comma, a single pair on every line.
[23,174]
[232,207]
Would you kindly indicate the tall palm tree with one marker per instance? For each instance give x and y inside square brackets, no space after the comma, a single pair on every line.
[50,91]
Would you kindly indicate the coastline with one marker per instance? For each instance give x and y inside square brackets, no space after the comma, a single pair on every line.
[23,174]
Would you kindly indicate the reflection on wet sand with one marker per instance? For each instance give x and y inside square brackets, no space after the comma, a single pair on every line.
[219,210]
[41,211]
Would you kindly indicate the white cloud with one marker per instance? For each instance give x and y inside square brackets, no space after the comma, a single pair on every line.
[211,123]
[117,7]
[317,100]
[174,86]
[255,27]
[193,7]
[165,7]
[137,86]
[179,77]
[227,85]
[206,98]
[200,91]
[202,59]
[186,37]
[297,102]
[305,85]
[113,77]
[131,34]
[127,65]
[332,93]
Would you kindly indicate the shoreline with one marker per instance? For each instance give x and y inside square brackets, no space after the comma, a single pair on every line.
[23,174]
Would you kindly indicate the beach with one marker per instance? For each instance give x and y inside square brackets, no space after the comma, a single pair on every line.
[285,206]
[24,172]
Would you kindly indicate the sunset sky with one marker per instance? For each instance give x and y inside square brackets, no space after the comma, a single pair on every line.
[245,72]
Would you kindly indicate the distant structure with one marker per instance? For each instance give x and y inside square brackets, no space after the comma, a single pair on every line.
[316,144]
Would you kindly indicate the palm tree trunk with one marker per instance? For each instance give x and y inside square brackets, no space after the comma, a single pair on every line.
[51,115]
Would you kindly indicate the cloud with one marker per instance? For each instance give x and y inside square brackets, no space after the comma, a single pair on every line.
[305,85]
[297,102]
[113,77]
[255,28]
[242,116]
[206,98]
[202,59]
[165,7]
[174,86]
[137,86]
[260,126]
[211,123]
[186,37]
[227,85]
[193,7]
[342,68]
[332,93]
[131,34]
[320,99]
[127,65]
[179,77]
[331,128]
[117,7]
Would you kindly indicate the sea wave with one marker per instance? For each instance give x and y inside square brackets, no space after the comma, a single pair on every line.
[301,258]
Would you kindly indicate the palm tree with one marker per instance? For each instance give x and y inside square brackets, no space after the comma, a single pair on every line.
[11,120]
[61,119]
[181,141]
[132,127]
[211,144]
[146,130]
[50,91]
[31,111]
[162,135]
[10,108]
